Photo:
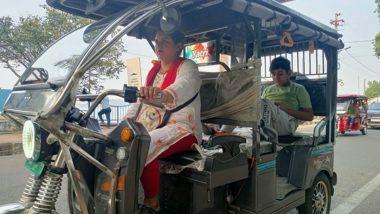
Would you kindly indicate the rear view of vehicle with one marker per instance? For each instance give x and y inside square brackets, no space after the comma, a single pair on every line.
[351,113]
[374,115]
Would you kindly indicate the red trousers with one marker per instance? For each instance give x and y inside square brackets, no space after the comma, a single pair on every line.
[150,178]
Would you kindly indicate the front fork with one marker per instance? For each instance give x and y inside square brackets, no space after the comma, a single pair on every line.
[42,192]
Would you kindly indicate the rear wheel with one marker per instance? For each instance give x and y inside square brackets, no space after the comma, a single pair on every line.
[342,132]
[318,197]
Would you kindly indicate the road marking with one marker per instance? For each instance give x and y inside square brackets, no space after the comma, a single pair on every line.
[357,197]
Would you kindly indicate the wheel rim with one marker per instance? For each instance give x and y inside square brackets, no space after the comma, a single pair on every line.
[320,198]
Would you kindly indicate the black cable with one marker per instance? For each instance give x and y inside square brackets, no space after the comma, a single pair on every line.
[356,60]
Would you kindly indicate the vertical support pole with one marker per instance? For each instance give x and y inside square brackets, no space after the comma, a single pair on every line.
[72,175]
[323,62]
[117,114]
[316,62]
[265,66]
[298,62]
[257,55]
[309,62]
[303,62]
[255,126]
[332,78]
[292,61]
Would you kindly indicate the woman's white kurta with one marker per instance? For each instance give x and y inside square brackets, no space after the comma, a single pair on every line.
[181,123]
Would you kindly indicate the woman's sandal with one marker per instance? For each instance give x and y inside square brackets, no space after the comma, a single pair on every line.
[147,210]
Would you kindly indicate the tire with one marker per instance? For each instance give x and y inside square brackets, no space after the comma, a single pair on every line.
[318,197]
[70,196]
[72,203]
[342,132]
[364,130]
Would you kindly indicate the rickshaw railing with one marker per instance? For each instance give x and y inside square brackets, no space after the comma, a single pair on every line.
[317,132]
[117,112]
[303,61]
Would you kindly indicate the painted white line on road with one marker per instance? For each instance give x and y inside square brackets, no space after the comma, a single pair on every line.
[357,197]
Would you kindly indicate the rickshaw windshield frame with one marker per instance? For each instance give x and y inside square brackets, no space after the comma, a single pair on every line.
[88,33]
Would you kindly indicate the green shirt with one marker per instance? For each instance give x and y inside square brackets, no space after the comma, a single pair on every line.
[294,96]
[351,110]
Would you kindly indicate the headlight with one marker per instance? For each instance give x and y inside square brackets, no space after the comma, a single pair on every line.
[31,142]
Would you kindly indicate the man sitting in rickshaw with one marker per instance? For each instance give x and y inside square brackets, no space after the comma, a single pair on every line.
[285,101]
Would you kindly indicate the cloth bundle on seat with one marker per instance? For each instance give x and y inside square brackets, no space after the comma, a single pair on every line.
[232,95]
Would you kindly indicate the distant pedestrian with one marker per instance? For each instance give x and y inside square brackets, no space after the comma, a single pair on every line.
[106,109]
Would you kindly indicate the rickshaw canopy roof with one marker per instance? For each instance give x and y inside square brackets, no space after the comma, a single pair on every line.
[352,96]
[200,16]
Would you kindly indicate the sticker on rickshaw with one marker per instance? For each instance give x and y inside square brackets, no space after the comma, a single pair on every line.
[202,53]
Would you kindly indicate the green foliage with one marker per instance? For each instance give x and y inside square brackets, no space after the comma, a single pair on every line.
[377,38]
[22,41]
[373,89]
[377,45]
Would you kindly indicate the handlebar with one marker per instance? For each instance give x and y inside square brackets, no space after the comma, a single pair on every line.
[99,98]
[130,95]
[87,133]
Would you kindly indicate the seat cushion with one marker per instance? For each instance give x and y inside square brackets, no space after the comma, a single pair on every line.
[265,148]
[183,159]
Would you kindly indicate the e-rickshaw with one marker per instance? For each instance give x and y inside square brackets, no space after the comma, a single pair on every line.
[259,172]
[352,113]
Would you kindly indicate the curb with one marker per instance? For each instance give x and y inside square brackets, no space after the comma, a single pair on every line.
[7,149]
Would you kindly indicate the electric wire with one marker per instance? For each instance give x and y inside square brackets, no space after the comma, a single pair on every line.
[360,41]
[362,64]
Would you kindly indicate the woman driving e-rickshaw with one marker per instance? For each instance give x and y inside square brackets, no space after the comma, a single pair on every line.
[259,172]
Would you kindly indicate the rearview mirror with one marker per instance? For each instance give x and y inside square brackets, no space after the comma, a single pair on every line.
[170,20]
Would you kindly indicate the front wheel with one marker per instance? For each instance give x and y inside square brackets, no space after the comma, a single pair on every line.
[364,130]
[318,197]
[73,204]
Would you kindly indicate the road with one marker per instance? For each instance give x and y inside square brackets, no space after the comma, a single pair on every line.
[356,163]
[12,182]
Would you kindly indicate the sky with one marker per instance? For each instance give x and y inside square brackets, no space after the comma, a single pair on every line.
[357,62]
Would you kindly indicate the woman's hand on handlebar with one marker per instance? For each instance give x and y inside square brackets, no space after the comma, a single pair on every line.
[156,95]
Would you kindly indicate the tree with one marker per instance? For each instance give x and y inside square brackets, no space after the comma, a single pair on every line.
[377,45]
[21,42]
[377,37]
[373,89]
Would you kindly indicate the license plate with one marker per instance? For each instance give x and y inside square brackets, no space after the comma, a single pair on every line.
[35,167]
